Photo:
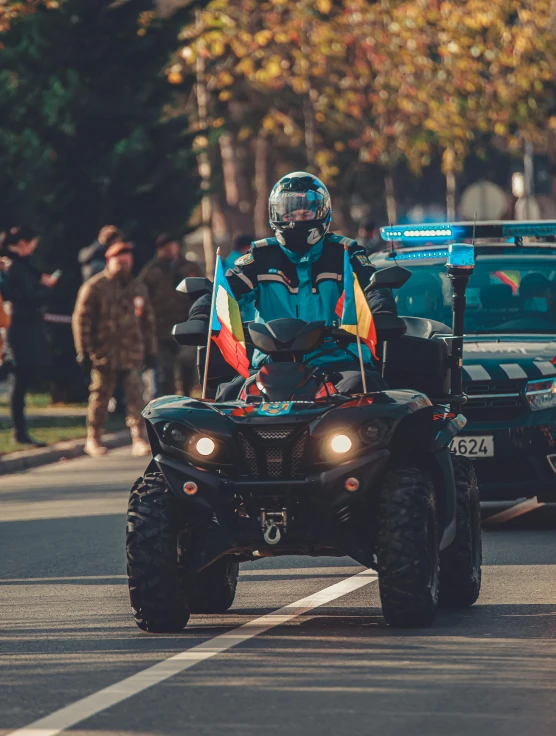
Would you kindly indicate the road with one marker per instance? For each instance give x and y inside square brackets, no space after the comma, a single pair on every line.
[66,633]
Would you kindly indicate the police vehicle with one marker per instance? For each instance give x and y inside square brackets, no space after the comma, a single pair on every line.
[509,368]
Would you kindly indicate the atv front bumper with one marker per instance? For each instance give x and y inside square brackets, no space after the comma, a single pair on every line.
[316,515]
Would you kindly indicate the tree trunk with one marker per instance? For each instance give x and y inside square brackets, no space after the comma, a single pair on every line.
[309,122]
[261,186]
[229,169]
[451,196]
[391,206]
[203,160]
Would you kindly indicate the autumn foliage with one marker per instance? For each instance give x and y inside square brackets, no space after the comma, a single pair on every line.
[387,79]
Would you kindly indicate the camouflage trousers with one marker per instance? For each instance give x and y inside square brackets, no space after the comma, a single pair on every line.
[101,390]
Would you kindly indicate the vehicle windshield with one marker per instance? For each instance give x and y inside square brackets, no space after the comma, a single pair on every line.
[506,293]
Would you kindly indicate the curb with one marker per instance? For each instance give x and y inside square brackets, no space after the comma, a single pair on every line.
[16,462]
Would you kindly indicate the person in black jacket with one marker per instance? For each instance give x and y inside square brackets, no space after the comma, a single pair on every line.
[92,258]
[26,288]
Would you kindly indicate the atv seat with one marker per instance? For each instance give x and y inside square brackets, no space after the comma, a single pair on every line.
[420,359]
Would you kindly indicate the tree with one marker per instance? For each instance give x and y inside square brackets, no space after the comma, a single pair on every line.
[388,81]
[88,134]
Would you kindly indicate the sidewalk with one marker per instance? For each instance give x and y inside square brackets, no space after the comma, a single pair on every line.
[62,427]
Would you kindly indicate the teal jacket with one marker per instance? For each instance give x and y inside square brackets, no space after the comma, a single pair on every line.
[271,282]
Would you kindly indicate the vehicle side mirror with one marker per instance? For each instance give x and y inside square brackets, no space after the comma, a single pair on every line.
[192,332]
[389,278]
[195,286]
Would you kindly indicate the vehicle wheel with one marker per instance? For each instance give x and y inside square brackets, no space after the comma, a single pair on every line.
[155,586]
[460,563]
[213,589]
[408,541]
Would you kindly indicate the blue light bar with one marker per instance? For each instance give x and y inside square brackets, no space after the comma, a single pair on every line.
[421,255]
[496,229]
[529,228]
[418,232]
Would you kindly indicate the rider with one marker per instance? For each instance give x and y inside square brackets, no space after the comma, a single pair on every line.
[299,273]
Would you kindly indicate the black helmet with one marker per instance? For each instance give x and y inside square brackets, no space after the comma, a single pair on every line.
[299,211]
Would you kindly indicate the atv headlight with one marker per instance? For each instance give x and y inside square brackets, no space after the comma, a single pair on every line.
[374,432]
[192,444]
[340,444]
[205,446]
[174,435]
[541,394]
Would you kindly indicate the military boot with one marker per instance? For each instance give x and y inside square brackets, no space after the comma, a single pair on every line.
[139,447]
[93,445]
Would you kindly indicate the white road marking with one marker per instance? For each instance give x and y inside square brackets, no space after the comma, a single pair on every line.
[477,372]
[545,367]
[100,701]
[514,511]
[513,370]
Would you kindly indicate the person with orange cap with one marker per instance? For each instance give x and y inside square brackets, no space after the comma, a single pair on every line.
[115,338]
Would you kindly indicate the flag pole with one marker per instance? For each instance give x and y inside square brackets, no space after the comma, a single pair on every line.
[209,340]
[363,378]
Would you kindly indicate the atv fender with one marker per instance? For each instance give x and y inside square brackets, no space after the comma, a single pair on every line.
[422,439]
[201,517]
[445,487]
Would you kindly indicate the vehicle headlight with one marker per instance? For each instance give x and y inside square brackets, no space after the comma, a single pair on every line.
[374,432]
[340,444]
[205,446]
[541,394]
[187,442]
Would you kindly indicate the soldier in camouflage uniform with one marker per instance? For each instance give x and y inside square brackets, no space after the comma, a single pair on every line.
[114,333]
[161,276]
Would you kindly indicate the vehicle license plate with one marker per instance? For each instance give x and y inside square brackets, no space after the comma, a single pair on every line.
[482,446]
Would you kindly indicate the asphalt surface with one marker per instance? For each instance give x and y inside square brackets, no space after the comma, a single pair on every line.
[66,632]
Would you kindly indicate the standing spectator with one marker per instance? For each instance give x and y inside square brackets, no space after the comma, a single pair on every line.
[114,334]
[240,248]
[369,237]
[93,257]
[5,319]
[26,288]
[161,276]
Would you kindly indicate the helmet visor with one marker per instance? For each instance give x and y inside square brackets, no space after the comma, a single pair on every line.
[297,207]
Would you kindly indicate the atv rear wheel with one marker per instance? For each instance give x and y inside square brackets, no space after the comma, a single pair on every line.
[213,589]
[460,563]
[155,587]
[408,544]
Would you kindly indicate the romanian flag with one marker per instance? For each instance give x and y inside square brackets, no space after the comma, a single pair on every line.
[353,309]
[227,323]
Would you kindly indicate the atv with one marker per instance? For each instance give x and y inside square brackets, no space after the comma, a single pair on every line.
[289,465]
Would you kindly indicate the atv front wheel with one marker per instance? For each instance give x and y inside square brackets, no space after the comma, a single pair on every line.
[460,563]
[213,589]
[155,587]
[408,544]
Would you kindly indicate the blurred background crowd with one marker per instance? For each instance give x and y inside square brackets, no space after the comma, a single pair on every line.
[172,120]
